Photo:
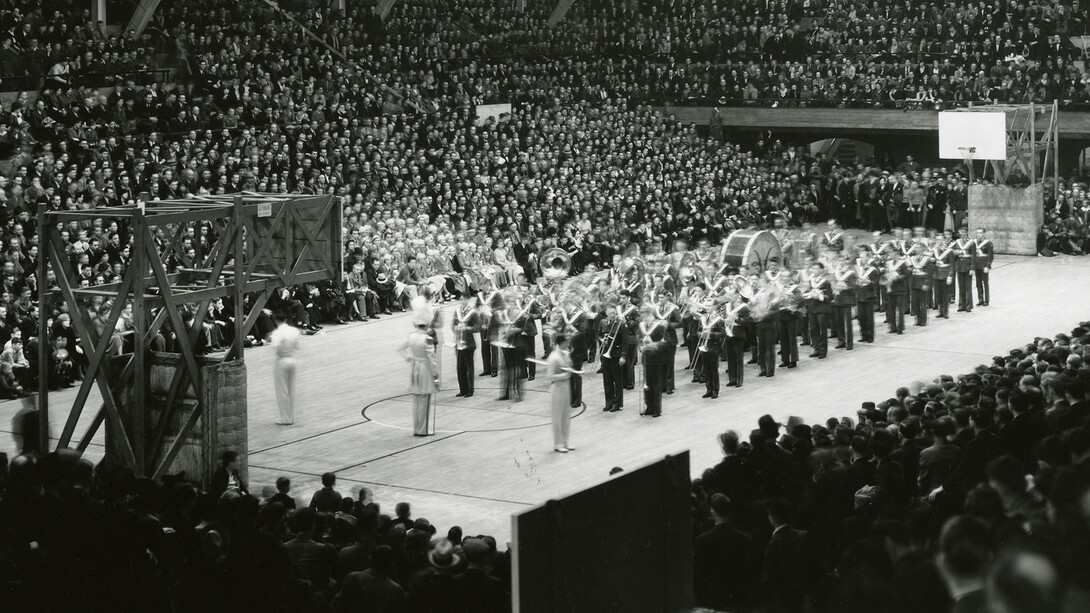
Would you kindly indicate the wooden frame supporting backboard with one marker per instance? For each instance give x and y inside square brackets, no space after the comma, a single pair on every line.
[1032,142]
[264,242]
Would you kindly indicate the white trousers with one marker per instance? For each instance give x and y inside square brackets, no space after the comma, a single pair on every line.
[284,380]
[422,414]
[561,412]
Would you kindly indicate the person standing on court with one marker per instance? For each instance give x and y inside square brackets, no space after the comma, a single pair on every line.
[656,357]
[818,306]
[844,280]
[465,324]
[577,326]
[559,369]
[614,336]
[964,254]
[982,265]
[866,293]
[285,342]
[897,282]
[921,270]
[419,351]
[942,277]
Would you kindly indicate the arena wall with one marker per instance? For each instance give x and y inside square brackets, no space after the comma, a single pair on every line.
[610,547]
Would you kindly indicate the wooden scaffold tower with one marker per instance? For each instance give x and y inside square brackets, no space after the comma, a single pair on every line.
[263,242]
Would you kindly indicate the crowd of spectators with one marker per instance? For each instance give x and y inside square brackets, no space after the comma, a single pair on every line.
[57,44]
[963,494]
[1067,220]
[904,55]
[83,538]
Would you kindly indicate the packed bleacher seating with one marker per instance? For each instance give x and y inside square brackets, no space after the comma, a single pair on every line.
[898,56]
[57,44]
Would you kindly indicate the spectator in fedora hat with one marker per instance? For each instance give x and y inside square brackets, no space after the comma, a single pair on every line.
[432,588]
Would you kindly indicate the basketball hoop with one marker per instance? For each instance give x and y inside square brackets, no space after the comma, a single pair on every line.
[967,157]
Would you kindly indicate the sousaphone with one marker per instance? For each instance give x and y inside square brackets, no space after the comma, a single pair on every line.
[555,263]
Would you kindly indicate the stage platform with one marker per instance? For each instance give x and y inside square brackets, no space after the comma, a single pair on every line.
[490,459]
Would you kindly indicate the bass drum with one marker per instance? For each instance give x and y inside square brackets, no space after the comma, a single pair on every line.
[746,249]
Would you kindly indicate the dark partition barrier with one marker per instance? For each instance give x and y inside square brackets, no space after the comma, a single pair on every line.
[624,545]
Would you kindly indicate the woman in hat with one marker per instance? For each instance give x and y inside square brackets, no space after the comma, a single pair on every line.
[419,351]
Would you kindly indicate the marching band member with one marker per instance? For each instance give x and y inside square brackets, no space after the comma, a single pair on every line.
[866,293]
[802,320]
[631,319]
[982,266]
[493,305]
[465,324]
[656,356]
[512,350]
[882,253]
[818,305]
[484,319]
[667,312]
[710,344]
[765,315]
[833,239]
[964,254]
[613,338]
[735,343]
[746,292]
[917,239]
[576,328]
[844,298]
[921,272]
[531,313]
[546,308]
[691,330]
[943,275]
[788,319]
[896,282]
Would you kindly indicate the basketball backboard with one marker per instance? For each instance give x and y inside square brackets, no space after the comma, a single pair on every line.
[986,132]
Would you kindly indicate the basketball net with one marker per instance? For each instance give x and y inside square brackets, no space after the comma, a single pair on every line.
[967,157]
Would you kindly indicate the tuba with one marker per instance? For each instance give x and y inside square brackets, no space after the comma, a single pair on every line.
[555,263]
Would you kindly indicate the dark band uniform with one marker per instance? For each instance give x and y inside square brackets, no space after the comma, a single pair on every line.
[982,265]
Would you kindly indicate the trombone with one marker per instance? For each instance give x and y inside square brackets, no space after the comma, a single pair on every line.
[706,326]
[608,341]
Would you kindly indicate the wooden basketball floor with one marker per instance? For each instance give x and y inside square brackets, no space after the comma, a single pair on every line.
[490,459]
